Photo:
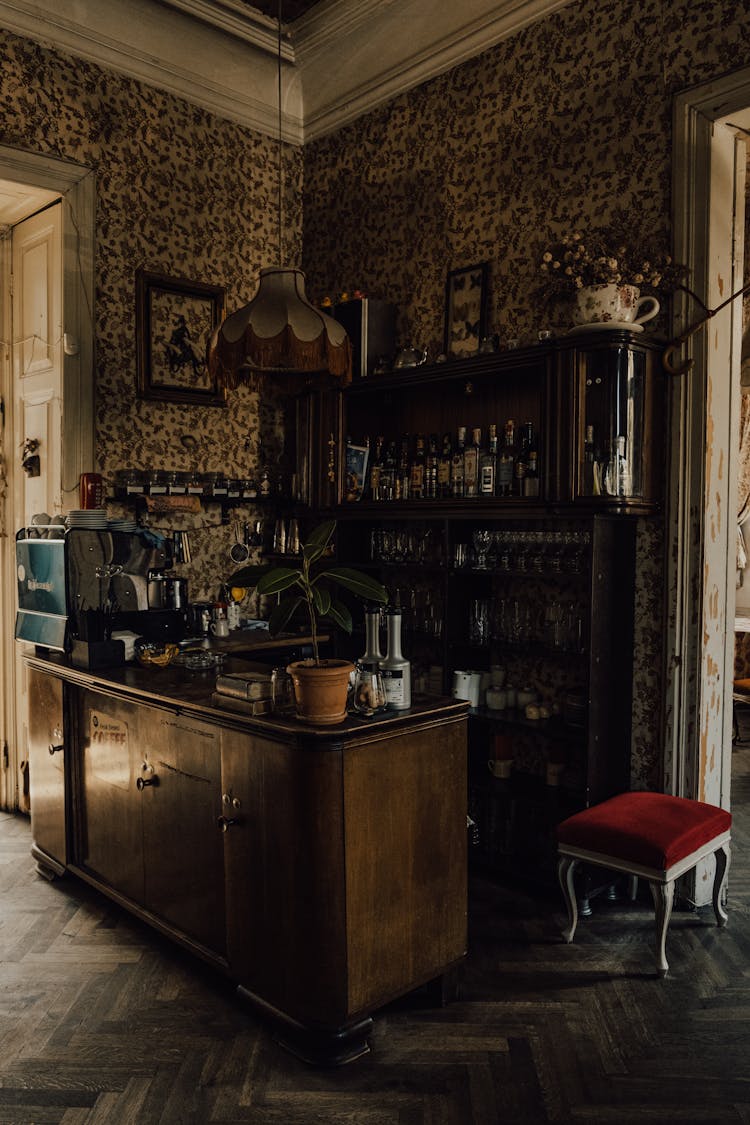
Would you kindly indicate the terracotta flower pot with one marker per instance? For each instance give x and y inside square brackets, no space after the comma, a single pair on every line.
[320,690]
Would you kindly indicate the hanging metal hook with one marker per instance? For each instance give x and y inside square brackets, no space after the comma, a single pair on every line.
[671,351]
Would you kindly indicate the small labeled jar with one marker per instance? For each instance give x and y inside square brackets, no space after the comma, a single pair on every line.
[496,698]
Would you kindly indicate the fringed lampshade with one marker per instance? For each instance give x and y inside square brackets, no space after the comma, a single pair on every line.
[279,332]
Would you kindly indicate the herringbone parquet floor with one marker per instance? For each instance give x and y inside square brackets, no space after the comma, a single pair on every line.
[101,1021]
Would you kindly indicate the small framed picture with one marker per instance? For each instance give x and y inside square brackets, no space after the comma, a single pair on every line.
[174,321]
[465,311]
[357,457]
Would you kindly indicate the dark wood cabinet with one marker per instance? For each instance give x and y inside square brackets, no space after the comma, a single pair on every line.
[346,868]
[47,754]
[553,575]
[149,800]
[323,869]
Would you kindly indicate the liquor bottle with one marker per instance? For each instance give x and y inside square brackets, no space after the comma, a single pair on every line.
[417,474]
[531,479]
[444,469]
[395,668]
[431,469]
[588,462]
[471,464]
[507,460]
[372,653]
[624,476]
[617,479]
[388,472]
[376,469]
[457,465]
[488,465]
[522,460]
[401,488]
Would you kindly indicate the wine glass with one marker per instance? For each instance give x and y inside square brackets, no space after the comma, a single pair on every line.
[482,540]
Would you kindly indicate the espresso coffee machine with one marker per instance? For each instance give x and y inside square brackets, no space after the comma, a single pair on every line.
[79,586]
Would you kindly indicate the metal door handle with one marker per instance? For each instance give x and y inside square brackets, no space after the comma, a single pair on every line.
[226,822]
[142,782]
[53,749]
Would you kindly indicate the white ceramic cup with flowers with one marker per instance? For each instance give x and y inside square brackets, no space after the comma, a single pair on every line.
[622,304]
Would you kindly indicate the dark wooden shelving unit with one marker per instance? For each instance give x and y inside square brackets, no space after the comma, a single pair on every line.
[609,380]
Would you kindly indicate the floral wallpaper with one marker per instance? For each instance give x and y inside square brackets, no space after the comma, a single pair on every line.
[557,127]
[178,192]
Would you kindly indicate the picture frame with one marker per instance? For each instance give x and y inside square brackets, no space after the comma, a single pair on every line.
[174,321]
[357,457]
[465,309]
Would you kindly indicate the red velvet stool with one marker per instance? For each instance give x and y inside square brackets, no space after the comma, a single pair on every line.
[649,835]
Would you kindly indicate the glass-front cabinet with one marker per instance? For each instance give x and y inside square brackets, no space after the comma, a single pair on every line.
[497,498]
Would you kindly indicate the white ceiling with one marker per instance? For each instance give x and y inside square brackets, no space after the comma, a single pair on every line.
[340,59]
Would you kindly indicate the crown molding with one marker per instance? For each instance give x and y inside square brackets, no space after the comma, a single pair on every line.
[169,49]
[235,18]
[341,59]
[409,43]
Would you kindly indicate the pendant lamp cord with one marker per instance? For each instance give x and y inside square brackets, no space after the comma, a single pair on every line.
[281,262]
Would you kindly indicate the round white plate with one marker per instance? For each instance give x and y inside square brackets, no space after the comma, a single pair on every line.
[606,326]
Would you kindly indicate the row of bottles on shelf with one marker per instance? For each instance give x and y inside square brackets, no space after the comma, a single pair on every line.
[607,469]
[421,467]
[269,483]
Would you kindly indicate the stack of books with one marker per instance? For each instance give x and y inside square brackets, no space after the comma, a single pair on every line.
[248,692]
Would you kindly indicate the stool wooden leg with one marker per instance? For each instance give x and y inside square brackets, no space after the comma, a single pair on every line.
[663,896]
[722,856]
[565,870]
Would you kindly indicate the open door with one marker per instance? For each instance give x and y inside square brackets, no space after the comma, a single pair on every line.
[46,384]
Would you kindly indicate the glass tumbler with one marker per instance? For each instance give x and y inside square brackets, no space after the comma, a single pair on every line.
[368,696]
[282,692]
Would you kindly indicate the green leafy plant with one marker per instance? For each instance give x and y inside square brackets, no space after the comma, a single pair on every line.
[308,584]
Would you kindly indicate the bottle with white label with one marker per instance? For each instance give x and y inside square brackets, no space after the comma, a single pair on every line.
[395,669]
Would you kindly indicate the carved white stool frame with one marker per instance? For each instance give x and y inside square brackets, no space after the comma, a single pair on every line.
[660,882]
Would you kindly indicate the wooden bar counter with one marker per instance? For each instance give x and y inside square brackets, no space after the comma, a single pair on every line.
[322,868]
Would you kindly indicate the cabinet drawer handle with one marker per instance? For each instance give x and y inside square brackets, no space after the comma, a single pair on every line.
[142,782]
[53,749]
[226,822]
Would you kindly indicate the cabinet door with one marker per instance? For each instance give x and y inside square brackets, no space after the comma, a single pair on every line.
[182,837]
[47,765]
[111,736]
[285,878]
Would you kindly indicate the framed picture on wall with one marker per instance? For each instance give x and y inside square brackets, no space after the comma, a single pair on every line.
[465,305]
[174,320]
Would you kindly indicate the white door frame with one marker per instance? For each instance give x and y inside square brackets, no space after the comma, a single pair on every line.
[75,184]
[702,468]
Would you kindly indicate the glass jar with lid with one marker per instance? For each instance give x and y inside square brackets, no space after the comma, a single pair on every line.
[214,484]
[158,482]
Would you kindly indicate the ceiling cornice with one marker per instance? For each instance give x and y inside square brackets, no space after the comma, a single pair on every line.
[155,43]
[342,59]
[235,18]
[411,42]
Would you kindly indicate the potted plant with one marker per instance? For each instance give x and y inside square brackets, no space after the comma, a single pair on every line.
[320,685]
